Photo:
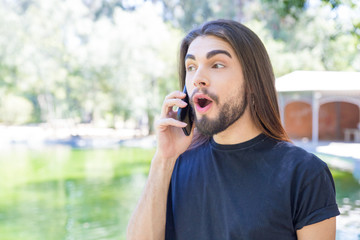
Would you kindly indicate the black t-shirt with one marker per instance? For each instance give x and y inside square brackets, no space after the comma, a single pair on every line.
[259,189]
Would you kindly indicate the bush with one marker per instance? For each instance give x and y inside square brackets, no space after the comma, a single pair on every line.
[15,110]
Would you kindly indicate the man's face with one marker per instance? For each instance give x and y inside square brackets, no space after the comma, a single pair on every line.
[215,84]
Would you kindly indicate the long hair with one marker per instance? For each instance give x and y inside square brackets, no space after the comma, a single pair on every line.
[257,69]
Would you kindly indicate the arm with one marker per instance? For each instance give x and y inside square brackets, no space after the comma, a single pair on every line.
[324,230]
[148,220]
[149,217]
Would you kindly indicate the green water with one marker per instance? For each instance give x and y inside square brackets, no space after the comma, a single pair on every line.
[60,193]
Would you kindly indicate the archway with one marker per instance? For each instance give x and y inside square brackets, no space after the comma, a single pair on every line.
[298,120]
[335,117]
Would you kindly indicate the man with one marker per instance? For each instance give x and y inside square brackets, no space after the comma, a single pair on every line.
[237,176]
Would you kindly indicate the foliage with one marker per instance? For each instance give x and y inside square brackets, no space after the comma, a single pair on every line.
[15,109]
[103,61]
[318,38]
[71,66]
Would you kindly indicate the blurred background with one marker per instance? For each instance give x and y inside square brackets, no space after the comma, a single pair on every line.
[82,81]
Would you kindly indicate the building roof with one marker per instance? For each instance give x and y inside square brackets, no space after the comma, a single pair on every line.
[318,81]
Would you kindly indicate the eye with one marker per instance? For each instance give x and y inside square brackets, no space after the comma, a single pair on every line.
[190,68]
[218,65]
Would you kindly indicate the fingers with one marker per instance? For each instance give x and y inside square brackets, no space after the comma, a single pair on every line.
[163,123]
[170,103]
[173,99]
[175,94]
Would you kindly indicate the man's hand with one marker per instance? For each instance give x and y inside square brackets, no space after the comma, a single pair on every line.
[171,140]
[149,218]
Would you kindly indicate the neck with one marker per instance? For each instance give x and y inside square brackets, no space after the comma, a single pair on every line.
[240,131]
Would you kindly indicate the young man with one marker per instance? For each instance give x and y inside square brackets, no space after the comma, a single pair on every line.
[237,176]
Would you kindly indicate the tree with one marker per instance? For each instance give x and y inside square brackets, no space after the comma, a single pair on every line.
[96,60]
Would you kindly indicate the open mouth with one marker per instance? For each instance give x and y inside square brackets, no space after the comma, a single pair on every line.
[202,102]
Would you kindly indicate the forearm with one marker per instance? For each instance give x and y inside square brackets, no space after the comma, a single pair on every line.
[148,220]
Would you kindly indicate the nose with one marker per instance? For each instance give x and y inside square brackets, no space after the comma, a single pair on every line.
[200,79]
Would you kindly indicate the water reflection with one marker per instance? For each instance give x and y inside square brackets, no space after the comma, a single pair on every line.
[78,195]
[74,194]
[348,199]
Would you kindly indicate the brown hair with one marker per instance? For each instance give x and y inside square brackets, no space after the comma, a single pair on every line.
[257,69]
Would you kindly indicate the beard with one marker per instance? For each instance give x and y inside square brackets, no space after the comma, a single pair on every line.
[230,112]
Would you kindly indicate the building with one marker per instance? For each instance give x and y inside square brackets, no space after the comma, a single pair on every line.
[320,105]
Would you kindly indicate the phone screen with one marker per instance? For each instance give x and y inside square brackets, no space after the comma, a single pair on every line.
[185,115]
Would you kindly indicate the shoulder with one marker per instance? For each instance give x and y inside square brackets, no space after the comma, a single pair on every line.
[305,178]
[293,162]
[292,154]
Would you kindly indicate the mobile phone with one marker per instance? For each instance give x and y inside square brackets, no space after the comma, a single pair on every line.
[186,115]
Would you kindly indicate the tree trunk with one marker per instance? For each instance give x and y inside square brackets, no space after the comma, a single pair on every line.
[150,116]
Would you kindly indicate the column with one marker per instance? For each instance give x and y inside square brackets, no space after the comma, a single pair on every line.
[315,117]
[282,108]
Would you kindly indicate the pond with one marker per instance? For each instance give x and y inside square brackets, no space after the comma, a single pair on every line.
[62,193]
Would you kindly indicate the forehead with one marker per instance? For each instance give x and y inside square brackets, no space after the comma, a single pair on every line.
[203,44]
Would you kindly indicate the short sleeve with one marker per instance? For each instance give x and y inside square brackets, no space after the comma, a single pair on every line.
[316,201]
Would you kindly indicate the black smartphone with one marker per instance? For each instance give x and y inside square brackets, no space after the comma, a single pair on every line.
[186,115]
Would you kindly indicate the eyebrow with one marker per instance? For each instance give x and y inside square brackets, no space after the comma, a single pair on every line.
[215,52]
[189,56]
[210,54]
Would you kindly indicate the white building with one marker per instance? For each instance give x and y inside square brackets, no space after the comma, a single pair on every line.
[320,105]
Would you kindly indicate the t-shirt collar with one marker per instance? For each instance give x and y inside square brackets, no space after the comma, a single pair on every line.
[259,138]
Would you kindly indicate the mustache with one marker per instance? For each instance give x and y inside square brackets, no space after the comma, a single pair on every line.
[214,97]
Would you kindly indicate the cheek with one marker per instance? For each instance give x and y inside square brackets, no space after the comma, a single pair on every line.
[189,86]
[229,90]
